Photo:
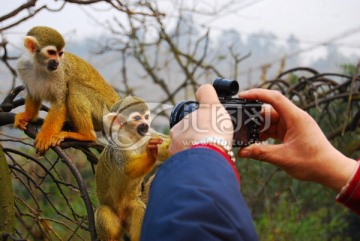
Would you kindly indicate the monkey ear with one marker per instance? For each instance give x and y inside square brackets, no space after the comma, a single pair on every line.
[31,44]
[112,120]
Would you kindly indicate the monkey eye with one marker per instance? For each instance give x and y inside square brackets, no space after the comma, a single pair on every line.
[147,117]
[137,118]
[51,52]
[61,54]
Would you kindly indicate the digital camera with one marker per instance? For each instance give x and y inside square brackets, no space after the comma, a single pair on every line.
[245,114]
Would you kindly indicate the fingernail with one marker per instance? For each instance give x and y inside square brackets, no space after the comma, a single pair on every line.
[243,92]
[244,153]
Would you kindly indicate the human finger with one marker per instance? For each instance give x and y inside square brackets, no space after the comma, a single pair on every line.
[280,103]
[262,152]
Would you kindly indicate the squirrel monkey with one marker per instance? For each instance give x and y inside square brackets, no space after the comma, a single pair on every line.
[132,153]
[73,87]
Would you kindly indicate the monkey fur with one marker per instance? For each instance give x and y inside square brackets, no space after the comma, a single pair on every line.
[133,152]
[74,88]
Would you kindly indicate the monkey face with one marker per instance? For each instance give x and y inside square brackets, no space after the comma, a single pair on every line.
[51,57]
[134,126]
[139,122]
[47,54]
[128,122]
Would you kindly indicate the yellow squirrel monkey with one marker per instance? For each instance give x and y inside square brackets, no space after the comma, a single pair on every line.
[132,153]
[73,87]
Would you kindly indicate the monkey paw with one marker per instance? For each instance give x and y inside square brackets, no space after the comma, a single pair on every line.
[163,149]
[152,147]
[21,121]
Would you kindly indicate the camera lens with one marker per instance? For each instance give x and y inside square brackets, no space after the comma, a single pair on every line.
[225,87]
[181,110]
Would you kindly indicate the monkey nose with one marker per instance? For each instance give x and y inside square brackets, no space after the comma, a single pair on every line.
[142,129]
[53,65]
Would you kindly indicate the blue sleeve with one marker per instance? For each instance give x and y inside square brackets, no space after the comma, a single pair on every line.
[196,196]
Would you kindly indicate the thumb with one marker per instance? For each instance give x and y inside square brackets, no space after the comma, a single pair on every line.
[267,153]
[206,94]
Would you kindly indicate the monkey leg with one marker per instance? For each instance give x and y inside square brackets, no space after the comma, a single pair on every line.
[145,193]
[136,220]
[52,125]
[84,136]
[84,129]
[107,224]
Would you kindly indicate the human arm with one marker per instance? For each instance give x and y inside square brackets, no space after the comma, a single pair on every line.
[304,151]
[196,196]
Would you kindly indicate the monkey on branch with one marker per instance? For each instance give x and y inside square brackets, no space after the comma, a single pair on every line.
[74,88]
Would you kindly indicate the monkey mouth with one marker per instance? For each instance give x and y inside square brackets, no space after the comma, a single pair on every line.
[52,67]
[142,129]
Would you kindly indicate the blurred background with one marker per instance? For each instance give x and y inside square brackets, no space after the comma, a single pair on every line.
[162,51]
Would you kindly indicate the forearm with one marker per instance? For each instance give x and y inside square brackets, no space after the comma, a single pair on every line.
[55,119]
[335,170]
[342,174]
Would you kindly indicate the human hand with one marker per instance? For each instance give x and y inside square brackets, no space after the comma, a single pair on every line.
[209,120]
[304,152]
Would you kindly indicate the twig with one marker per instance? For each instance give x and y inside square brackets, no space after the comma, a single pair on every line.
[350,97]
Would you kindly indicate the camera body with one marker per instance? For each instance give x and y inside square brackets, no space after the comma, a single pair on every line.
[245,114]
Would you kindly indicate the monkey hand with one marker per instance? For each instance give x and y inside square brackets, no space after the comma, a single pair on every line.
[163,149]
[152,147]
[21,120]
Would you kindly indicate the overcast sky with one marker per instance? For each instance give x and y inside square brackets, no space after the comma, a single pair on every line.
[311,21]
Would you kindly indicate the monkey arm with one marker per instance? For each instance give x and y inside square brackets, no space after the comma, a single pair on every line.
[52,125]
[163,153]
[138,165]
[32,108]
[79,112]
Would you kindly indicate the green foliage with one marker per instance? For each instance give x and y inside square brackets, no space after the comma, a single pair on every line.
[348,69]
[292,78]
[286,209]
[48,198]
[288,223]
